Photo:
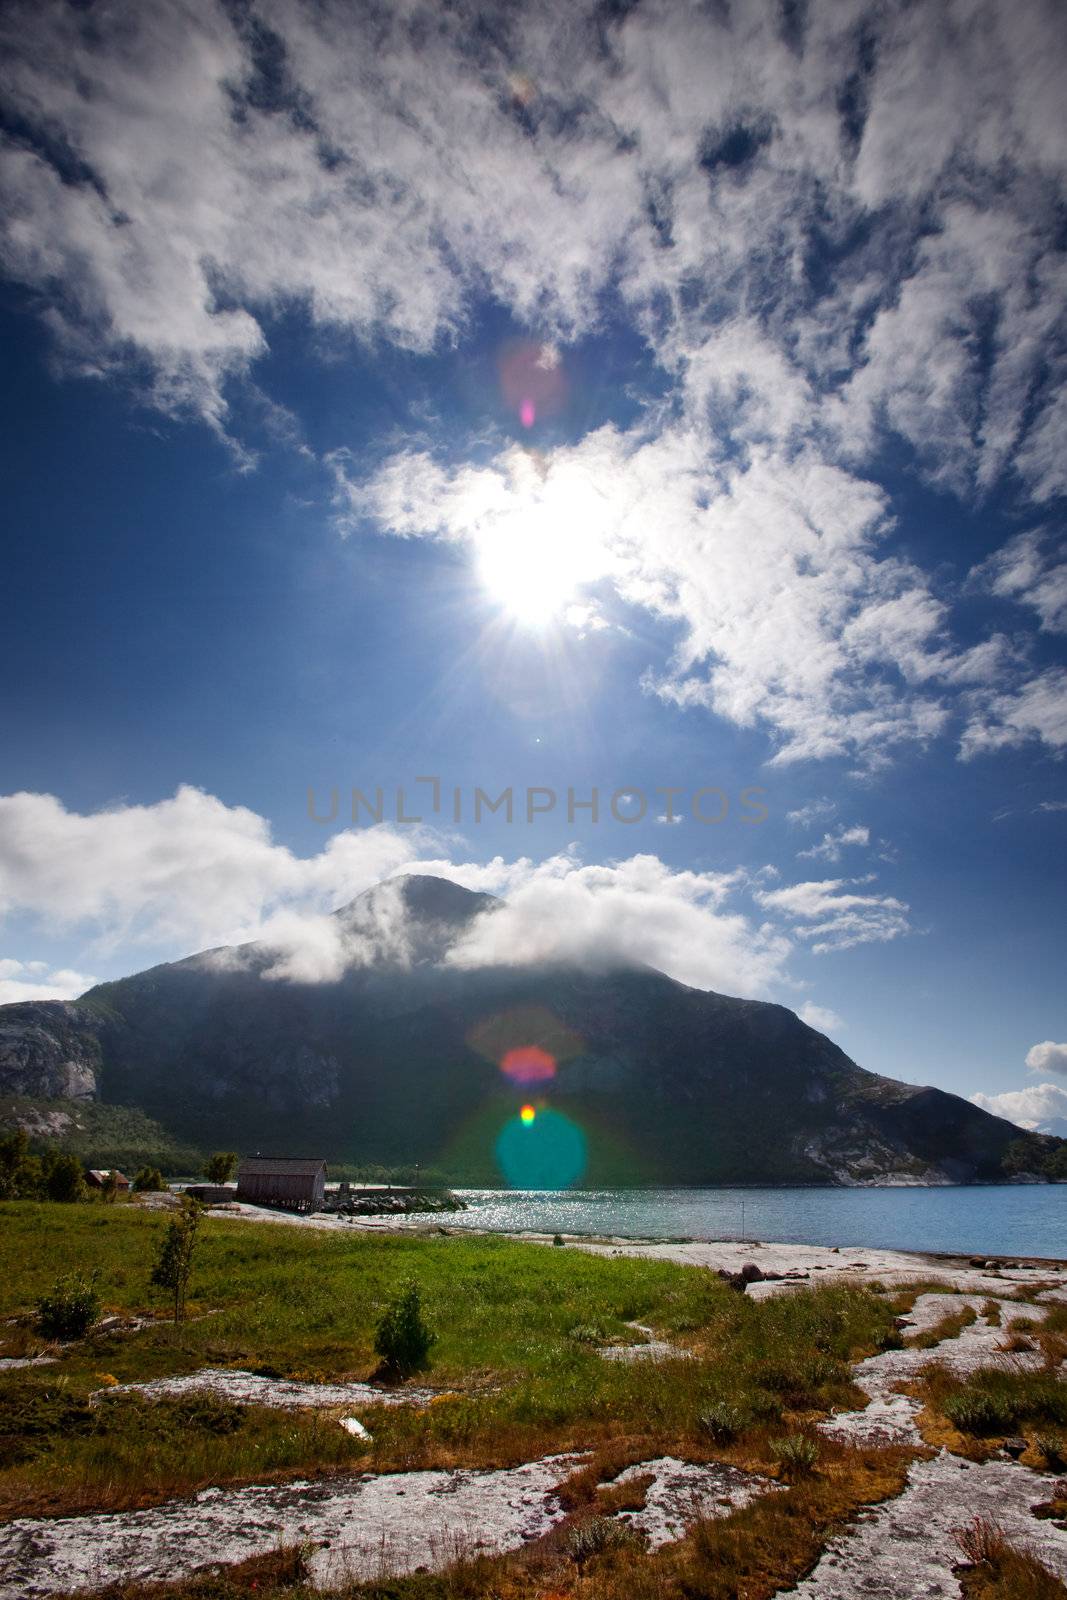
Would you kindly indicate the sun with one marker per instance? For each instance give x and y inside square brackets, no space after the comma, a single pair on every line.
[531,578]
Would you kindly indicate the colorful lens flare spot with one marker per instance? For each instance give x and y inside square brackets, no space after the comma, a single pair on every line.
[528,1063]
[541,1149]
[532,381]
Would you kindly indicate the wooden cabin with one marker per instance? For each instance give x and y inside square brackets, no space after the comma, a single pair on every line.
[296,1182]
[97,1178]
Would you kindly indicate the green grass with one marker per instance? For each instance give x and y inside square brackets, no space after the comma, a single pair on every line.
[997,1401]
[510,1319]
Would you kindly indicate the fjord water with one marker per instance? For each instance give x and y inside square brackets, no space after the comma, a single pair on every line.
[1017,1219]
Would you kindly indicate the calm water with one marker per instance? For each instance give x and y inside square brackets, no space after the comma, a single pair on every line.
[1020,1220]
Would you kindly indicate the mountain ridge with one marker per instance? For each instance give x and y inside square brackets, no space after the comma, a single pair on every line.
[404,1057]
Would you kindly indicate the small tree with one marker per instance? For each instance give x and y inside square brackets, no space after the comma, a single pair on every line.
[63,1177]
[20,1173]
[402,1338]
[110,1191]
[220,1167]
[174,1264]
[149,1180]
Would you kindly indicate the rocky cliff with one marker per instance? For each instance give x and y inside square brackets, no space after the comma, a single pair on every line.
[406,1058]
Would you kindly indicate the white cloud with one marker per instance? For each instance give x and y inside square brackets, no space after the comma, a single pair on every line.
[1042,1106]
[184,872]
[190,872]
[836,918]
[1035,710]
[1047,1057]
[811,812]
[1026,570]
[177,191]
[832,844]
[824,234]
[33,980]
[820,1017]
[638,910]
[703,544]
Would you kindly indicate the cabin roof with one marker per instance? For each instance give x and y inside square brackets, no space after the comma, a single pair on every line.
[280,1166]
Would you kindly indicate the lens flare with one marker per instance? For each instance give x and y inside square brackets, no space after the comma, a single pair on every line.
[528,1063]
[532,380]
[541,1149]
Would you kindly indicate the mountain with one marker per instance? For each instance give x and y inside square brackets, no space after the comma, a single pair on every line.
[633,1077]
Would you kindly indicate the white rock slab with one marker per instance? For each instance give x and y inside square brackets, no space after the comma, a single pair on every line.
[684,1491]
[650,1349]
[250,1389]
[890,1417]
[362,1527]
[904,1548]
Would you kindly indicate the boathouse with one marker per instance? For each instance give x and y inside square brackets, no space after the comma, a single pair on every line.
[296,1182]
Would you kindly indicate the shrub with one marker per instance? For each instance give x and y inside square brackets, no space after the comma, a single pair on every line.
[402,1338]
[598,1535]
[979,1412]
[796,1455]
[149,1180]
[1053,1447]
[722,1422]
[587,1333]
[71,1308]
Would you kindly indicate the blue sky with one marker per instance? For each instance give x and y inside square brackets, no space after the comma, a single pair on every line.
[672,398]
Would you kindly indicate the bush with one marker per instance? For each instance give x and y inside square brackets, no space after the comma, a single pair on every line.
[796,1455]
[722,1422]
[597,1536]
[403,1339]
[587,1333]
[149,1181]
[1054,1449]
[71,1308]
[995,1401]
[979,1412]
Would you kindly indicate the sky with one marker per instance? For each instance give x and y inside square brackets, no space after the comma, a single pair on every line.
[661,400]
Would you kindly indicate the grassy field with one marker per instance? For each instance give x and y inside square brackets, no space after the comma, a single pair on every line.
[516,1360]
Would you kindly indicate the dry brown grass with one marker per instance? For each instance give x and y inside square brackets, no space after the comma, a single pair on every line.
[998,1570]
[281,1572]
[1015,1341]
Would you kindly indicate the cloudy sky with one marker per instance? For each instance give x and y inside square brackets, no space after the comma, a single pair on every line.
[668,398]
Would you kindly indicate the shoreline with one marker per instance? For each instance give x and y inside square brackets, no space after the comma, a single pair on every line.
[787,1266]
